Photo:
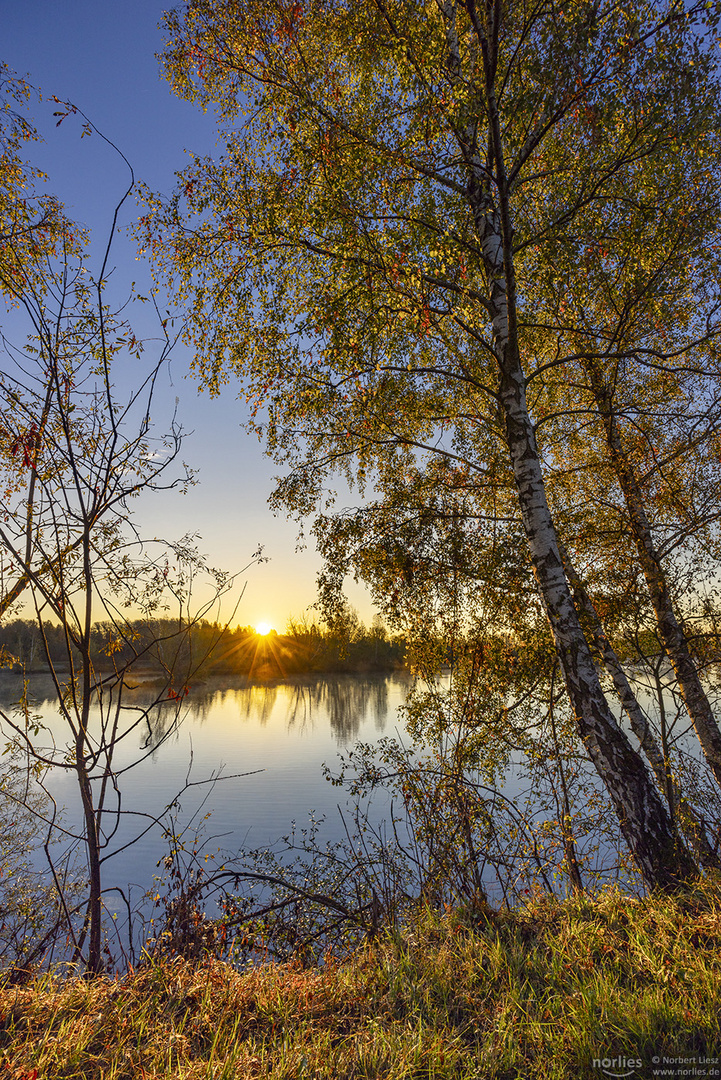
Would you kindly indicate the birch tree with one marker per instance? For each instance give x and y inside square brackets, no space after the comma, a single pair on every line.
[637,401]
[368,255]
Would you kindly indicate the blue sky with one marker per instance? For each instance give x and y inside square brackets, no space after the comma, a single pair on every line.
[101,56]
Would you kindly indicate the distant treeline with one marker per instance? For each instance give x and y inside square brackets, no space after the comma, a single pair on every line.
[206,648]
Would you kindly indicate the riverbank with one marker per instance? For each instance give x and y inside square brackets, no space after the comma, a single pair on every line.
[542,992]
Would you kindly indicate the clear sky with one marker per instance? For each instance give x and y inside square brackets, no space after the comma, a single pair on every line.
[100,54]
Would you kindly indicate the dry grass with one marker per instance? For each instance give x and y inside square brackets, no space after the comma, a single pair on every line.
[536,993]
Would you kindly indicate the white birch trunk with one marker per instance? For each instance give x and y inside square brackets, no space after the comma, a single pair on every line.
[644,821]
[691,820]
[669,628]
[647,828]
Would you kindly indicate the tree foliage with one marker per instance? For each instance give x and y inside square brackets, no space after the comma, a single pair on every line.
[32,223]
[436,237]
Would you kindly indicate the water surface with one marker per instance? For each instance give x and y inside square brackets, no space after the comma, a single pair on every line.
[278,735]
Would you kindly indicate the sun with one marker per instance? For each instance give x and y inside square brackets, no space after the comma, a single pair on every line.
[263,628]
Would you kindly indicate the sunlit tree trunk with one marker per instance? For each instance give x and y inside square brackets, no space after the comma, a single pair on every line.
[669,627]
[645,823]
[689,817]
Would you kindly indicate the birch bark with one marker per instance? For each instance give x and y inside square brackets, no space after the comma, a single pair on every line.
[669,626]
[690,818]
[645,823]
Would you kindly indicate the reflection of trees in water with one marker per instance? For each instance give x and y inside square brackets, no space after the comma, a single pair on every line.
[40,688]
[257,703]
[254,704]
[150,718]
[347,701]
[161,722]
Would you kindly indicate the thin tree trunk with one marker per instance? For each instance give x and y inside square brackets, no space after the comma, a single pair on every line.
[689,817]
[669,627]
[94,916]
[569,844]
[92,838]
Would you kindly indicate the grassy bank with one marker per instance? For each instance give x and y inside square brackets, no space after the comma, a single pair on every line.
[536,993]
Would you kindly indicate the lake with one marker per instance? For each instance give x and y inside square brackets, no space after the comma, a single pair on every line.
[266,743]
[280,733]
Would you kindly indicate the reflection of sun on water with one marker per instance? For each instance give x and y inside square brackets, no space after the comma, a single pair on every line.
[263,628]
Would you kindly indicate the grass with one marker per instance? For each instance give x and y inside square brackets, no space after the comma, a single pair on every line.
[536,993]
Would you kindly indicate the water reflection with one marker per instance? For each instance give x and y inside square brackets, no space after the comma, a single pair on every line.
[344,702]
[41,687]
[270,739]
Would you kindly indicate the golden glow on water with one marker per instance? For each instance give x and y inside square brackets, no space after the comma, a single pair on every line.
[263,628]
[268,741]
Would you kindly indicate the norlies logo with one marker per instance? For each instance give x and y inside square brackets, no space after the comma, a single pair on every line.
[618,1066]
